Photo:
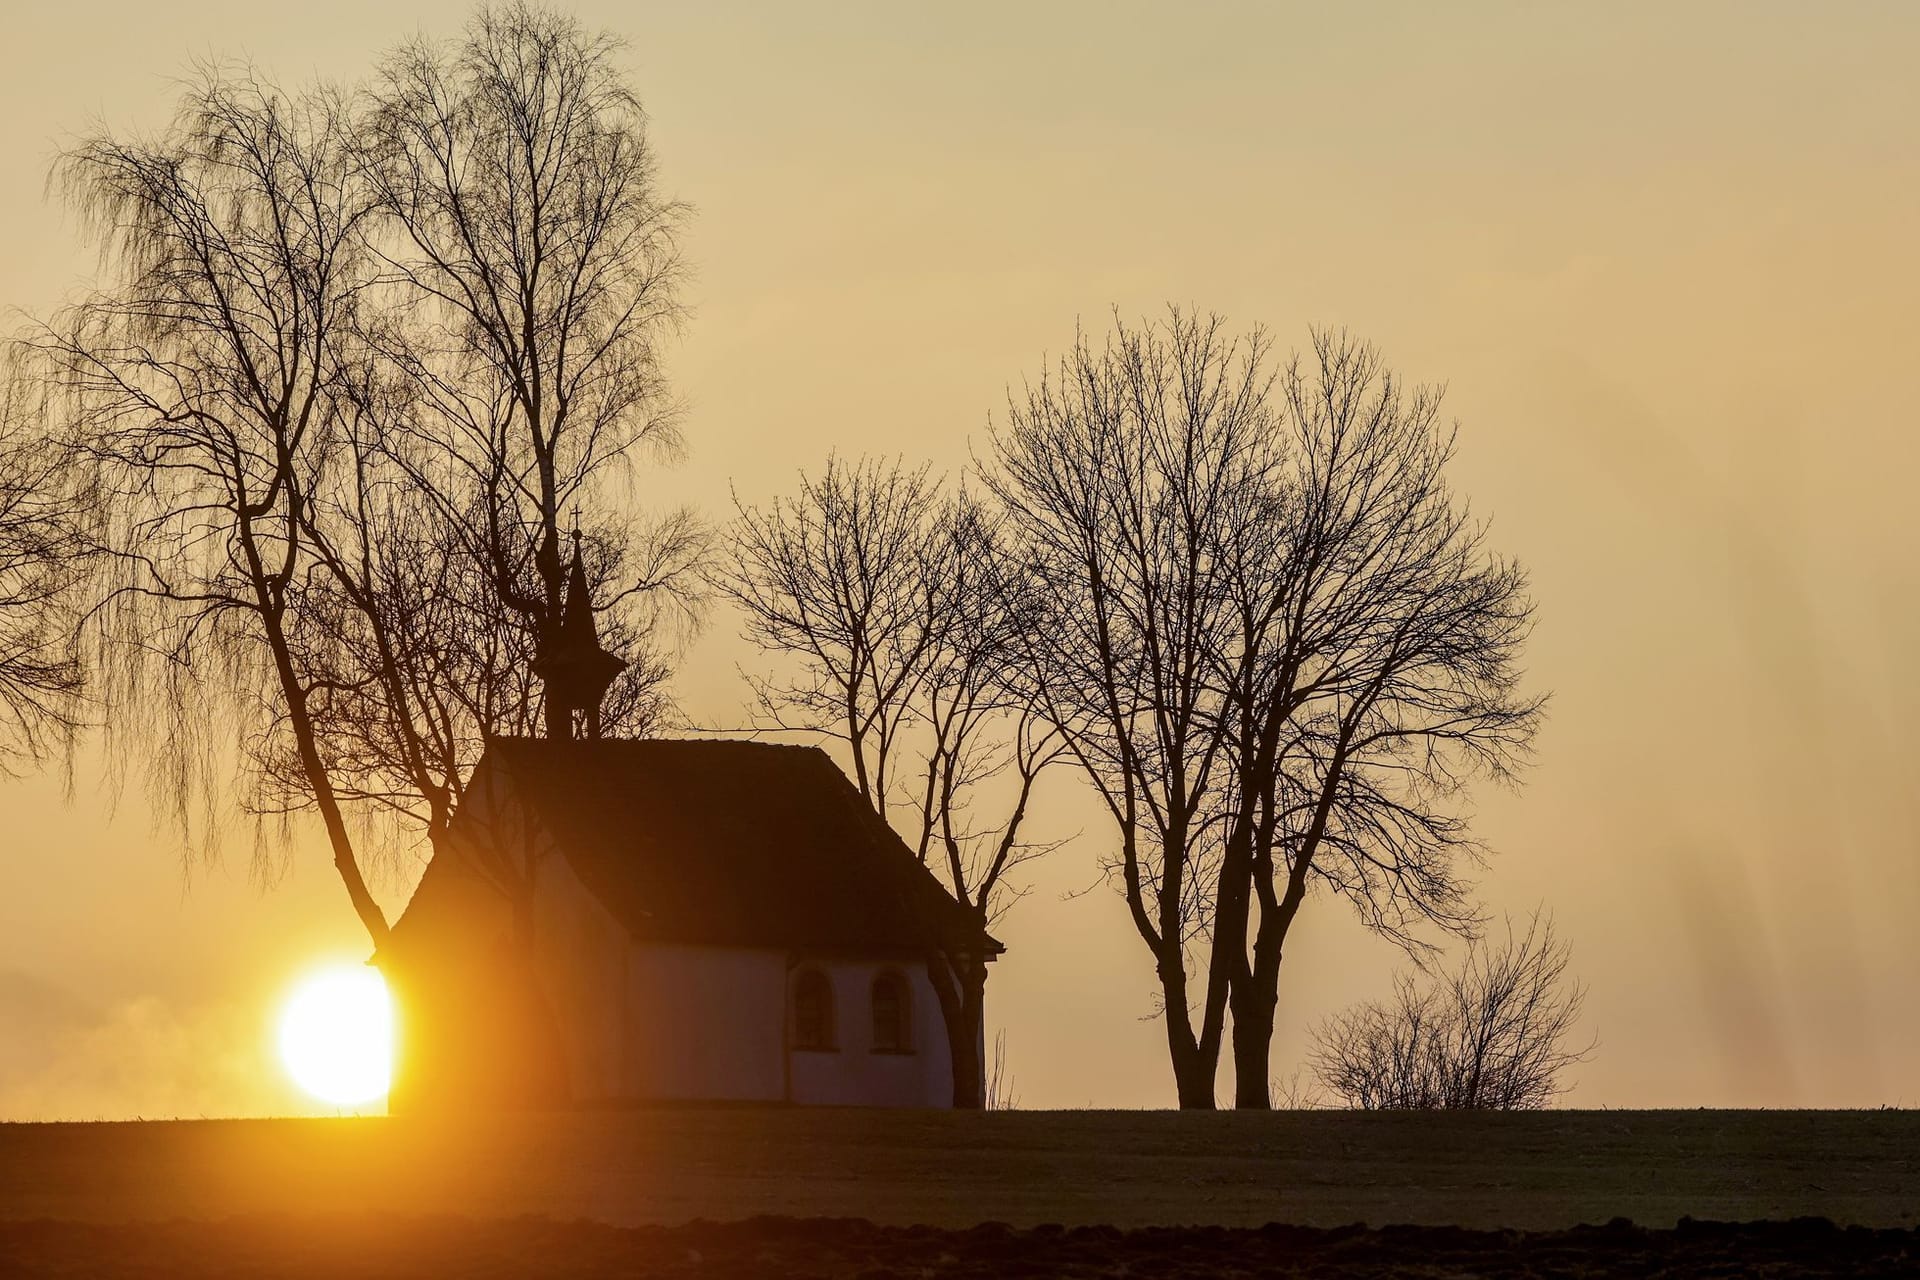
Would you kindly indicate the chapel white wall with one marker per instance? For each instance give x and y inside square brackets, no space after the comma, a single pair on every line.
[705,1024]
[581,957]
[853,1074]
[657,1022]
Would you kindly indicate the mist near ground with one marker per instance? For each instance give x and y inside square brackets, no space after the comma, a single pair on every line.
[1664,261]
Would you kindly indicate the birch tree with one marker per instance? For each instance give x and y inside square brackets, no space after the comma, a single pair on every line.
[535,269]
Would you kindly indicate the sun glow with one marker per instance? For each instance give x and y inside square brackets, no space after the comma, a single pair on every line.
[336,1035]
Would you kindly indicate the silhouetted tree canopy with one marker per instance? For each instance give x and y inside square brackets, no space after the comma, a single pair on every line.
[359,366]
[535,267]
[900,613]
[44,515]
[1275,642]
[1240,596]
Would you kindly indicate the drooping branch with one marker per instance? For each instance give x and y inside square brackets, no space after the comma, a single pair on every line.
[46,515]
[196,386]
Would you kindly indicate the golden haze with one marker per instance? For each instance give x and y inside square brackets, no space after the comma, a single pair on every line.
[1663,255]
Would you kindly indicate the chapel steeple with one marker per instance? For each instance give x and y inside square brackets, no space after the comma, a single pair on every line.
[577,671]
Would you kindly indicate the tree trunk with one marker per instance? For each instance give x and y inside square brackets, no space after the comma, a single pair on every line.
[1252,1047]
[1228,969]
[1194,1066]
[1256,994]
[1193,1073]
[969,1075]
[962,991]
[319,781]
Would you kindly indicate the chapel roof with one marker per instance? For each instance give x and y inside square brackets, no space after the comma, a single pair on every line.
[732,843]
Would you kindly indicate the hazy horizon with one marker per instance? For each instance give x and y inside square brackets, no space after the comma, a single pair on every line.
[1664,261]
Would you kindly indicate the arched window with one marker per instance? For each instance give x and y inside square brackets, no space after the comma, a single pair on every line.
[812,1010]
[891,1032]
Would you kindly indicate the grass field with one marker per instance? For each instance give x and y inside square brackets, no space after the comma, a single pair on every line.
[1123,1169]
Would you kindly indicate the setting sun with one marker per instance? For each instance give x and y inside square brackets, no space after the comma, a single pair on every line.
[336,1035]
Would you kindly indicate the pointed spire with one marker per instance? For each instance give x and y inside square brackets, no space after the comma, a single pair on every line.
[577,670]
[577,627]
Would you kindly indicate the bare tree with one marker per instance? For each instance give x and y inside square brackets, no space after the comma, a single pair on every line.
[424,663]
[1276,645]
[1495,1034]
[537,266]
[1131,479]
[975,710]
[355,358]
[845,574]
[983,745]
[44,519]
[199,382]
[1377,674]
[899,612]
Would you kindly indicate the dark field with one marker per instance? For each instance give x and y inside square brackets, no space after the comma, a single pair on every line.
[373,1245]
[1125,1169]
[506,1197]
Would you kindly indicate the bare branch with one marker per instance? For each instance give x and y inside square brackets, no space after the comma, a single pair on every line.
[1493,1035]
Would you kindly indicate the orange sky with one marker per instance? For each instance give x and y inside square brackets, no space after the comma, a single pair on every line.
[1664,256]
